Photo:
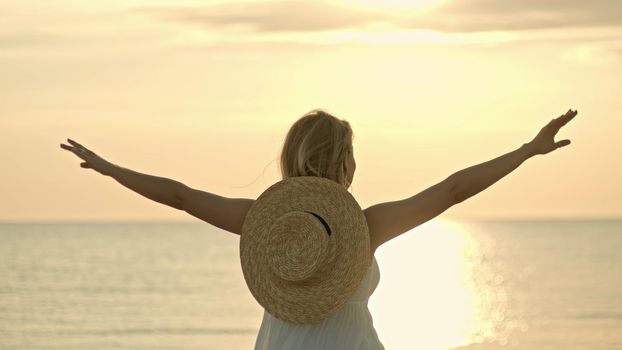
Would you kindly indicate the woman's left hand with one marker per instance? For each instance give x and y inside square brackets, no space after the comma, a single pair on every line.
[544,142]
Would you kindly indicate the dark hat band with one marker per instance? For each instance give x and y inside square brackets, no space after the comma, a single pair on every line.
[321,220]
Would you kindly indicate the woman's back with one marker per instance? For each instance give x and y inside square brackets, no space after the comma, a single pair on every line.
[351,327]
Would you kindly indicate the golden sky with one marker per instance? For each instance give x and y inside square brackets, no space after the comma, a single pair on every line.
[204,92]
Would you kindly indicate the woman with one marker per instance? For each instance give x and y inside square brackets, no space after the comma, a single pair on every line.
[319,144]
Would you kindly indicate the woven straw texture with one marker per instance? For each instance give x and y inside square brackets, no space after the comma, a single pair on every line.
[293,267]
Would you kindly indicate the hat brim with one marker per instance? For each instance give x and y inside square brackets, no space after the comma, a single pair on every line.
[324,293]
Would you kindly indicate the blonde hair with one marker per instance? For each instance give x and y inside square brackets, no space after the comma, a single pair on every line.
[317,145]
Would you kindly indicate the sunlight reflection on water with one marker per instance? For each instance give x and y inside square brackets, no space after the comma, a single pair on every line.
[440,288]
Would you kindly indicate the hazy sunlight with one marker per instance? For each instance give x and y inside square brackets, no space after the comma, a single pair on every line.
[434,296]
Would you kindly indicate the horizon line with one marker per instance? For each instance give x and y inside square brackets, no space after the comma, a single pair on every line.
[454,219]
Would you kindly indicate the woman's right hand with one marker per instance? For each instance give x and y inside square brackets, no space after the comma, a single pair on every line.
[91,160]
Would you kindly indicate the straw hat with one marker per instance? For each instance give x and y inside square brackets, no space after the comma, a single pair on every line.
[304,248]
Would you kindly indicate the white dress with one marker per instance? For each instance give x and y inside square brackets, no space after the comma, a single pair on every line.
[350,328]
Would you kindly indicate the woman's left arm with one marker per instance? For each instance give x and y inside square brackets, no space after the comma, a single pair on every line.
[474,179]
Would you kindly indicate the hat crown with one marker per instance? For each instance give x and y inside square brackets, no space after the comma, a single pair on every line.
[293,218]
[300,245]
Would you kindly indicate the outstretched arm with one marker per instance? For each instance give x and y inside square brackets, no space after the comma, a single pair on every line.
[159,189]
[475,179]
[389,220]
[222,212]
[156,188]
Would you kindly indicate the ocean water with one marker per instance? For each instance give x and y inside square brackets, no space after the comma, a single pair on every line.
[444,285]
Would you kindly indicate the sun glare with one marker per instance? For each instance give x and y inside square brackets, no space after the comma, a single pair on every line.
[428,296]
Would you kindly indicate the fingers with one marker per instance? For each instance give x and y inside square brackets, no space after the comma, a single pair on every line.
[571,113]
[72,142]
[563,119]
[77,149]
[75,143]
[69,148]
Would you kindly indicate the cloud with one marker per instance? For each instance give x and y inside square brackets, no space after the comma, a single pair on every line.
[495,15]
[450,16]
[315,21]
[275,16]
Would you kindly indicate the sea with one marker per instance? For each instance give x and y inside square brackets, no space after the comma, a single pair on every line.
[446,284]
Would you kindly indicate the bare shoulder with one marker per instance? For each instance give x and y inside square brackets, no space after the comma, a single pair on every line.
[222,212]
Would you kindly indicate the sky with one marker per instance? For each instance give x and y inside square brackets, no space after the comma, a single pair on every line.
[204,92]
